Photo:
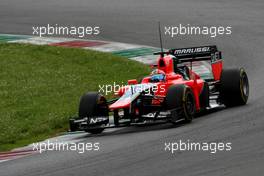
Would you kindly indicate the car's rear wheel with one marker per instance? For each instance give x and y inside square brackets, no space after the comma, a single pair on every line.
[180,100]
[93,104]
[234,87]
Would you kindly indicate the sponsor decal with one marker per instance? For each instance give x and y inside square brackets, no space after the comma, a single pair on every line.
[192,50]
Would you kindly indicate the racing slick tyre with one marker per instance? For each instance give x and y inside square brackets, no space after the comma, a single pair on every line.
[93,104]
[180,98]
[204,97]
[234,87]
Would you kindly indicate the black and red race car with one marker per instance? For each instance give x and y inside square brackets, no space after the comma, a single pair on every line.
[185,81]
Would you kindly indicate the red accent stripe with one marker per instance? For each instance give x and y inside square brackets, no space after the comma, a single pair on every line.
[13,157]
[78,43]
[4,155]
[16,151]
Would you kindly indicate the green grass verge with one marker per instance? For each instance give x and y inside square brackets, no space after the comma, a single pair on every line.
[40,87]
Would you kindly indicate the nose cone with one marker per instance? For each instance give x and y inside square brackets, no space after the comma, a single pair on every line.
[121,103]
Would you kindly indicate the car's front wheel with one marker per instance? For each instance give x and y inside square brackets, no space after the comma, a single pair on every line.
[180,100]
[93,104]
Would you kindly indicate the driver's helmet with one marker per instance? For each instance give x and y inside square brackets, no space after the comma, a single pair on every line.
[157,75]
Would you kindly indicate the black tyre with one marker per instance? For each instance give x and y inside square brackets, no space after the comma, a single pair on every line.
[180,97]
[204,97]
[234,87]
[93,104]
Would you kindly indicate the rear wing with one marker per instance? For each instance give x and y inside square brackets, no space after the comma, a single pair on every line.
[200,53]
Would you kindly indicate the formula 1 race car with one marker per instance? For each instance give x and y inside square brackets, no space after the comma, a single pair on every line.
[185,81]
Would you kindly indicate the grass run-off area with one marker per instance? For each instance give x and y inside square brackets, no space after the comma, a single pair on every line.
[40,87]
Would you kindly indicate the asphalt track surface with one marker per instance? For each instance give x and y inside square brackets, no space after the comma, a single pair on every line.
[140,150]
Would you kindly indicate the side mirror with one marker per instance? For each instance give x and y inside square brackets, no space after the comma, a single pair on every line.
[132,82]
[153,66]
